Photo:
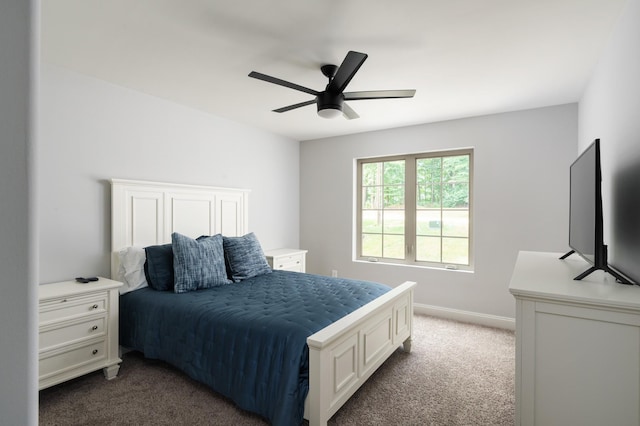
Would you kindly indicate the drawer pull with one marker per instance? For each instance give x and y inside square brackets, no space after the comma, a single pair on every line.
[95,351]
[63,300]
[94,328]
[94,307]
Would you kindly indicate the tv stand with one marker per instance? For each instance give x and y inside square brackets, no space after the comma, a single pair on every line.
[567,254]
[619,277]
[577,344]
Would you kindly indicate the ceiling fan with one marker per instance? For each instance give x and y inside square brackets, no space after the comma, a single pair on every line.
[330,101]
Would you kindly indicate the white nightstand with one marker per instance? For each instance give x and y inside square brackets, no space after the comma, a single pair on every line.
[287,259]
[78,330]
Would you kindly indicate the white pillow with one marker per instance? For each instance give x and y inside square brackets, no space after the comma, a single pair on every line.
[131,270]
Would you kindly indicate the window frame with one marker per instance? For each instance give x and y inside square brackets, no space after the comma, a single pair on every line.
[411,209]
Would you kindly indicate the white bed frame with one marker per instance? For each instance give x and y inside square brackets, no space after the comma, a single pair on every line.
[342,355]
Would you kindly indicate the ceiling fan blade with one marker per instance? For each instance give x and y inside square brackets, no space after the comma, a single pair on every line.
[280,82]
[290,107]
[351,64]
[379,94]
[348,112]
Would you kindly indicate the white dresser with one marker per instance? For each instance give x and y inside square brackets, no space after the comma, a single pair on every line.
[78,330]
[577,344]
[287,259]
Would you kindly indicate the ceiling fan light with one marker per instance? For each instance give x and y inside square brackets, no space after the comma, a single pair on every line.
[332,111]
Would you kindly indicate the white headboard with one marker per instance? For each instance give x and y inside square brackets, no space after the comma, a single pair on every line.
[147,213]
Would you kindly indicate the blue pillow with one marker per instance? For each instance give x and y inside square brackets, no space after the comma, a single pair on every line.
[244,256]
[158,267]
[198,263]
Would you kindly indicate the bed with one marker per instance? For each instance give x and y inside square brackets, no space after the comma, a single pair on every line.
[279,362]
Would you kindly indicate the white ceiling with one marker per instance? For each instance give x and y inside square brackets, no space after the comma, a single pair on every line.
[464,57]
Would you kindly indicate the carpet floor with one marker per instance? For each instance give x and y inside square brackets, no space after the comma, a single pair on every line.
[456,374]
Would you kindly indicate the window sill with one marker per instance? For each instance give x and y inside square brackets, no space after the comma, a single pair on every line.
[455,268]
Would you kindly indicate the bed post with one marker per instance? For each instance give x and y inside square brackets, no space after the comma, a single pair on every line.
[406,345]
[318,405]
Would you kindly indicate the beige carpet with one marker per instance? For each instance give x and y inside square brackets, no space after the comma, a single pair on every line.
[456,374]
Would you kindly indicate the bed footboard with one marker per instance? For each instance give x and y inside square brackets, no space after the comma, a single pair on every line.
[344,354]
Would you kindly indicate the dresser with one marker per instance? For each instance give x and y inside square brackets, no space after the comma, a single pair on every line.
[577,344]
[287,259]
[78,330]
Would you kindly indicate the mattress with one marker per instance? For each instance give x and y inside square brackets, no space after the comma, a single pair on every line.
[245,340]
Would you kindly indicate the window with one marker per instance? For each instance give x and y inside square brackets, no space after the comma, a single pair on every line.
[416,209]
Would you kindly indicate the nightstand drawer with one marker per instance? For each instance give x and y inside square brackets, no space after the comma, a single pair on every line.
[288,263]
[64,333]
[287,259]
[62,308]
[64,361]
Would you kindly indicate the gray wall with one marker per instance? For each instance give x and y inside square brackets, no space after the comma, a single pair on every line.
[18,314]
[609,110]
[521,162]
[93,131]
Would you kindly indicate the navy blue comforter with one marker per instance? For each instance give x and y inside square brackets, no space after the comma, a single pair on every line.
[246,340]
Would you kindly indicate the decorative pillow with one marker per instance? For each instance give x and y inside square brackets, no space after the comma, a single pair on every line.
[131,270]
[244,256]
[198,263]
[159,267]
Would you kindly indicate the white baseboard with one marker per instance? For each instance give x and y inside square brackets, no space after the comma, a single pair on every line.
[466,316]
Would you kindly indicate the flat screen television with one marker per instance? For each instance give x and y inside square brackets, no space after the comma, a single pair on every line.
[585,213]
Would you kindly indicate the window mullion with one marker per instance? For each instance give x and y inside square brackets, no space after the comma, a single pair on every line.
[410,209]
